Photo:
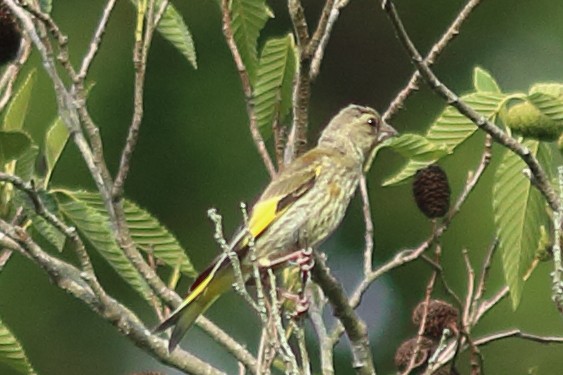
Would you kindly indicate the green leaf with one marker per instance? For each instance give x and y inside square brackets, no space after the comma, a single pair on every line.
[17,110]
[274,83]
[418,150]
[147,233]
[248,18]
[13,145]
[549,105]
[483,81]
[450,130]
[41,226]
[519,213]
[12,353]
[46,5]
[55,142]
[96,228]
[173,28]
[549,88]
[25,166]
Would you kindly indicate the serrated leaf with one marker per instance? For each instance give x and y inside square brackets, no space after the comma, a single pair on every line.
[13,145]
[451,129]
[25,166]
[483,81]
[55,142]
[147,233]
[549,88]
[549,105]
[173,28]
[248,18]
[418,150]
[17,110]
[274,82]
[12,353]
[46,5]
[95,227]
[40,225]
[519,213]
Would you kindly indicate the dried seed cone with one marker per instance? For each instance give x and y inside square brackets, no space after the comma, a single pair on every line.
[406,350]
[441,315]
[10,36]
[431,191]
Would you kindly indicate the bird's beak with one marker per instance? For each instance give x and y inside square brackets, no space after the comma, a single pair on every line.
[386,131]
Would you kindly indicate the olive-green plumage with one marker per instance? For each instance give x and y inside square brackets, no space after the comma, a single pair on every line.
[301,206]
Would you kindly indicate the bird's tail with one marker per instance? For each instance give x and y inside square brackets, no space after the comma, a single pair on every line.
[208,286]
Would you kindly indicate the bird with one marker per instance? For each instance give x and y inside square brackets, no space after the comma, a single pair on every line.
[302,205]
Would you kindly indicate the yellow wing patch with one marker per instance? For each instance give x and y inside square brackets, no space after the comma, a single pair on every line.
[200,288]
[263,214]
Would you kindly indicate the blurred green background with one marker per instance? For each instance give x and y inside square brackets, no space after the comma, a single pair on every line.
[195,152]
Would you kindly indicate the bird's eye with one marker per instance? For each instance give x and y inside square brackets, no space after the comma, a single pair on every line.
[373,122]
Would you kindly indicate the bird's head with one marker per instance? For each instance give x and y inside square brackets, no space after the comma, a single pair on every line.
[356,130]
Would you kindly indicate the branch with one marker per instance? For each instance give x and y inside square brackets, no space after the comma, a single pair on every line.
[96,40]
[557,288]
[140,55]
[355,327]
[368,235]
[70,279]
[71,108]
[543,183]
[246,88]
[297,139]
[409,255]
[452,31]
[516,333]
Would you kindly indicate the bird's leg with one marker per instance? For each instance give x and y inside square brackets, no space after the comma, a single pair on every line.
[304,260]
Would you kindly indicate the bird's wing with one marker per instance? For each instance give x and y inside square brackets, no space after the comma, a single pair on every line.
[283,191]
[291,184]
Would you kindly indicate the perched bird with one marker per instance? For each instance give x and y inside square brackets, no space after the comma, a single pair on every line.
[301,206]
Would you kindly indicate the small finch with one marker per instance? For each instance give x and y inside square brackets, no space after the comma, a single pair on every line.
[300,207]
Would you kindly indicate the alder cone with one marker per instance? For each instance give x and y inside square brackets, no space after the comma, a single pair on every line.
[10,36]
[431,191]
[405,351]
[440,315]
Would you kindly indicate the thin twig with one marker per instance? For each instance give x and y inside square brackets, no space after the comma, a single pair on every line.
[297,139]
[71,280]
[41,209]
[140,55]
[481,121]
[422,324]
[557,287]
[409,255]
[368,235]
[516,333]
[482,283]
[317,302]
[96,40]
[246,88]
[72,109]
[354,326]
[435,51]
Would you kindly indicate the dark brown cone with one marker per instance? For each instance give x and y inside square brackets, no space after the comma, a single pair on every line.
[406,351]
[441,315]
[10,36]
[431,191]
